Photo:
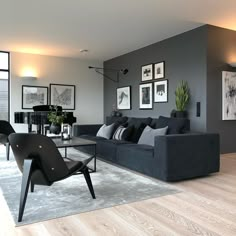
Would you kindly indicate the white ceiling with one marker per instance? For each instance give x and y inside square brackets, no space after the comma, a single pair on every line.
[107,28]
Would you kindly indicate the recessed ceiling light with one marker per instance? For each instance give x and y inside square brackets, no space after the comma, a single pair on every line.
[83,50]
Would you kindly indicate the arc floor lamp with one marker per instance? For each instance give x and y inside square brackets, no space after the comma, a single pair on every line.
[118,72]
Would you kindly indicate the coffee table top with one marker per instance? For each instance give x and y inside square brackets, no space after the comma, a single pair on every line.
[73,142]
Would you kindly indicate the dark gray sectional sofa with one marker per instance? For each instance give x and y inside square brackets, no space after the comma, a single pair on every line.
[176,156]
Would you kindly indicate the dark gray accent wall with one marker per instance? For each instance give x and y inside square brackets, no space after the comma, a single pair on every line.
[185,59]
[221,50]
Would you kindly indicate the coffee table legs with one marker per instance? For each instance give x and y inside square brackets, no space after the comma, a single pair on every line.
[95,160]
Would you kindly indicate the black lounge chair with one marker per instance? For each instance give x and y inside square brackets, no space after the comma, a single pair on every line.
[42,164]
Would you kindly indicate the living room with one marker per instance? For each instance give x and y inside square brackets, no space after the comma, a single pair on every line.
[195,43]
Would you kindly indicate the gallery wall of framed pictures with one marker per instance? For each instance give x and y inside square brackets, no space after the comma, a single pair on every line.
[156,90]
[60,95]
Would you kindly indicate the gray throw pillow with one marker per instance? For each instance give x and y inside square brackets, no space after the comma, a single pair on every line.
[148,135]
[105,131]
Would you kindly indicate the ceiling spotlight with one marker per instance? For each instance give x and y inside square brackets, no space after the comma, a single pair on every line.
[83,50]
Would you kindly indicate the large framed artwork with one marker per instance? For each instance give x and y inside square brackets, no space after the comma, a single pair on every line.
[161,91]
[145,96]
[147,72]
[123,98]
[33,96]
[159,70]
[228,95]
[63,95]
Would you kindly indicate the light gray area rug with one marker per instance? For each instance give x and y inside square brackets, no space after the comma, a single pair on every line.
[112,185]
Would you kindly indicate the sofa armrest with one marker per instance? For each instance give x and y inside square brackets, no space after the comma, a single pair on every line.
[86,129]
[184,156]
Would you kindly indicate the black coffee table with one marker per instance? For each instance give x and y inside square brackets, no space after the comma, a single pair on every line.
[76,142]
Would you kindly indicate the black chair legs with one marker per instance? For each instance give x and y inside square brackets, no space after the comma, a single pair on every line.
[7,150]
[24,187]
[89,182]
[31,187]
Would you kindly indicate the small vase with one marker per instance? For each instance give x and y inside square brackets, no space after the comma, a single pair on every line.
[113,113]
[118,114]
[55,128]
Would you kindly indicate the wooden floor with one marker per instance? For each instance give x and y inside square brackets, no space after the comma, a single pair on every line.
[206,206]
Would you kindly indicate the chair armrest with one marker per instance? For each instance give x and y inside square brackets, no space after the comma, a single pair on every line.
[184,156]
[86,129]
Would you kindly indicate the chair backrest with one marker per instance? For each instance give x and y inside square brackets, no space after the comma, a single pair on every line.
[46,108]
[6,128]
[43,150]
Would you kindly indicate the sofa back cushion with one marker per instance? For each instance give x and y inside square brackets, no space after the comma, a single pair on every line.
[175,125]
[149,134]
[117,120]
[139,125]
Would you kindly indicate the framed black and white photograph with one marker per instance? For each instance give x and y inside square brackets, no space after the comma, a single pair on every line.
[63,95]
[228,95]
[123,99]
[159,70]
[161,91]
[34,96]
[145,96]
[147,72]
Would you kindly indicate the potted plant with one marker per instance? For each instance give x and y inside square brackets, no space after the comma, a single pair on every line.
[56,118]
[182,97]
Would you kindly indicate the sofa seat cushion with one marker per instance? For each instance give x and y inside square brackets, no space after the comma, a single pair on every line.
[107,149]
[116,142]
[138,157]
[91,137]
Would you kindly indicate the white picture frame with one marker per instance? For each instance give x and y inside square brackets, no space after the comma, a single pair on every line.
[147,72]
[145,96]
[228,95]
[63,95]
[123,98]
[34,96]
[161,91]
[159,70]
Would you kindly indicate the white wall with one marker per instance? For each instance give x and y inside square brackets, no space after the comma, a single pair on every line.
[48,69]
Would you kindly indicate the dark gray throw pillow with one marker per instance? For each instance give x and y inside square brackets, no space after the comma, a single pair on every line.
[105,131]
[148,135]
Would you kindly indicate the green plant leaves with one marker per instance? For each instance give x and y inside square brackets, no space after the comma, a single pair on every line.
[182,96]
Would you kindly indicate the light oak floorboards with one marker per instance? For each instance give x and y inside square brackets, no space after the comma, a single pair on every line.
[206,206]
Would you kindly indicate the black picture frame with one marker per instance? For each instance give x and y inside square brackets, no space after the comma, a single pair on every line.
[146,96]
[160,91]
[159,70]
[147,72]
[63,95]
[33,96]
[123,98]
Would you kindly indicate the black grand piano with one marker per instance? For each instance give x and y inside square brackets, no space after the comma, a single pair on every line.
[39,117]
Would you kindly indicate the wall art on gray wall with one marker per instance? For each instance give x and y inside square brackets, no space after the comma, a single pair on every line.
[228,95]
[159,70]
[33,96]
[145,96]
[123,98]
[147,72]
[63,95]
[161,91]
